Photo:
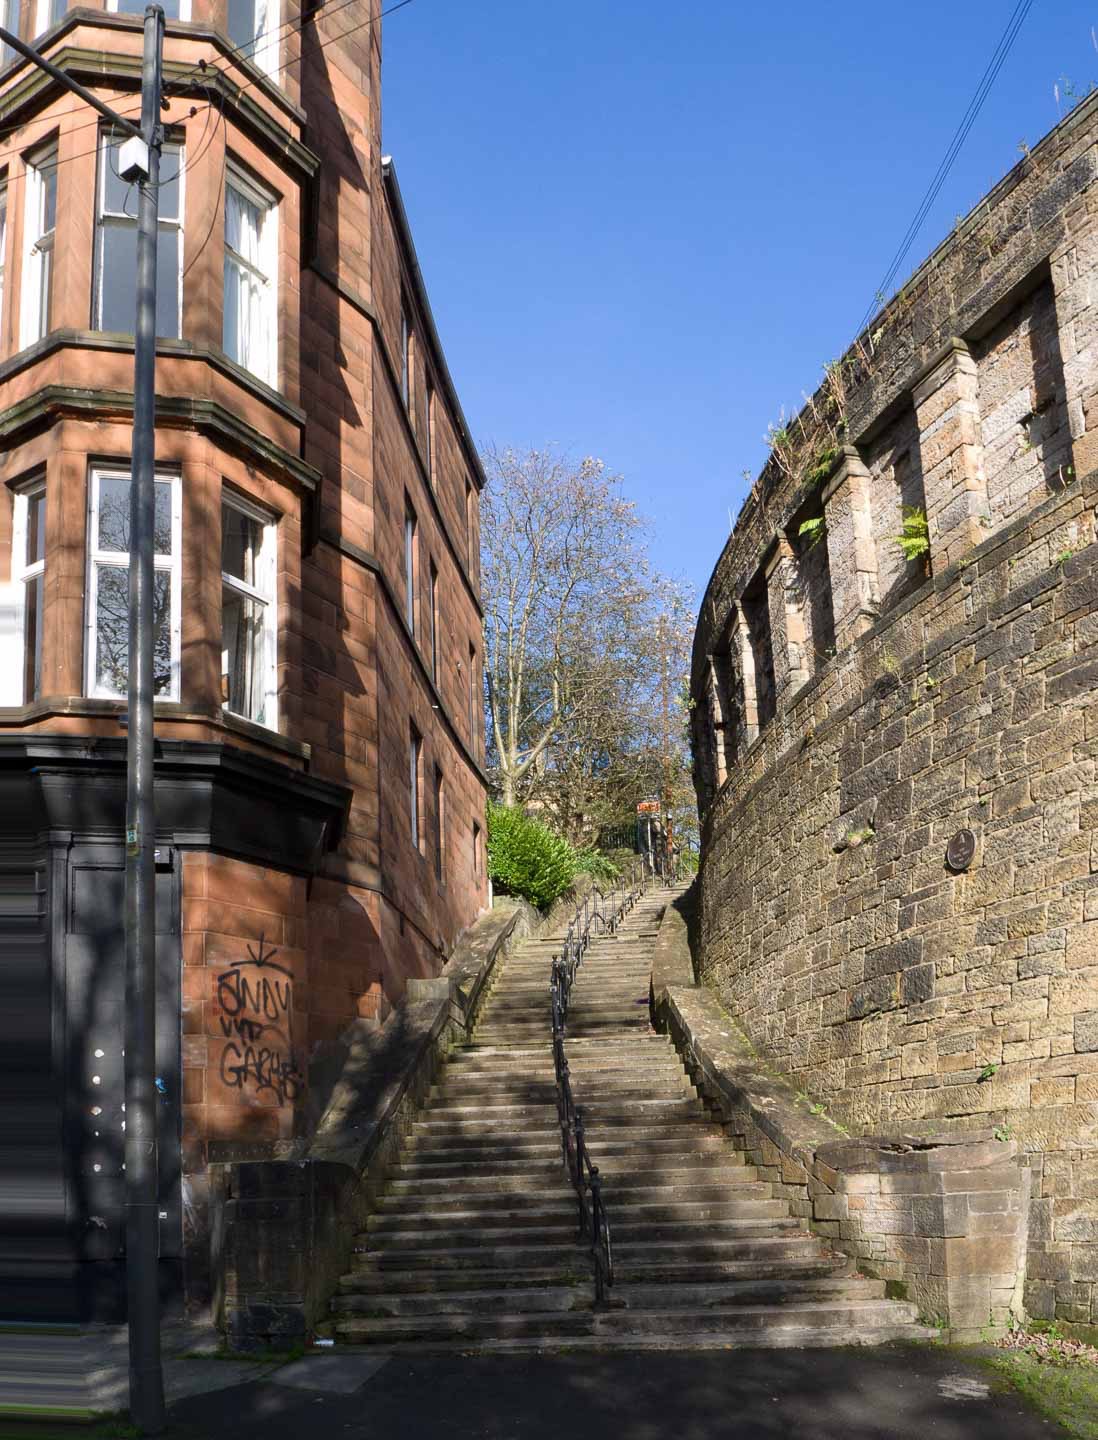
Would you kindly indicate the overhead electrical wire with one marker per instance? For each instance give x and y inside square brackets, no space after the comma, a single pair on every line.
[975,105]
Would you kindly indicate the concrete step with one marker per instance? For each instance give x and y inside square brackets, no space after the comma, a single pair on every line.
[627,1216]
[544,1085]
[623,1171]
[456,1196]
[628,1256]
[575,1270]
[764,1321]
[637,1050]
[601,1107]
[403,1235]
[665,1168]
[730,1338]
[571,1297]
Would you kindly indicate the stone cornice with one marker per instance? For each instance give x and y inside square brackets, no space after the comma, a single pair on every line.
[206,416]
[35,89]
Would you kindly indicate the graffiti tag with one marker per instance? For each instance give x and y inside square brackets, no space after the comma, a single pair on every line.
[252,1008]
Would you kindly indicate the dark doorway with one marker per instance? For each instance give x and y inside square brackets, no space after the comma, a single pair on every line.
[93,1071]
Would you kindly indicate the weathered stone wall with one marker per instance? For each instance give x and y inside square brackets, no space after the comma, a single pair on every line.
[905,993]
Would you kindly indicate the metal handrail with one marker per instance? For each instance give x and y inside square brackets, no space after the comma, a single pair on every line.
[602,917]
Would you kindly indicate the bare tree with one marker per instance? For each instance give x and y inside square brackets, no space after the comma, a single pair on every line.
[573,611]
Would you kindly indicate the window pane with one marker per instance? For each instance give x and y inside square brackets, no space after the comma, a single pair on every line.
[10,12]
[137,7]
[111,619]
[36,527]
[119,197]
[49,194]
[112,630]
[58,9]
[230,329]
[114,515]
[241,540]
[32,638]
[117,292]
[245,328]
[241,22]
[243,224]
[167,283]
[243,654]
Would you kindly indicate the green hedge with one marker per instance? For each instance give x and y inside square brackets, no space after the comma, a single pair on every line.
[527,859]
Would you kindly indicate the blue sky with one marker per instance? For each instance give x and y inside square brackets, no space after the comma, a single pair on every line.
[645,226]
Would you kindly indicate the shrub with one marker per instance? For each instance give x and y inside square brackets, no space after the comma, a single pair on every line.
[527,859]
[599,866]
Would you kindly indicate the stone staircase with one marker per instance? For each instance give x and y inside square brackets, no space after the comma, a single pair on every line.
[474,1244]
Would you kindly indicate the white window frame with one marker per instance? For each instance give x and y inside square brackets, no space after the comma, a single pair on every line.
[263,51]
[267,595]
[42,21]
[13,636]
[258,194]
[184,9]
[173,153]
[32,326]
[98,557]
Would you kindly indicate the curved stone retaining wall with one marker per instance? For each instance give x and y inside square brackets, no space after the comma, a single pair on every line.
[855,710]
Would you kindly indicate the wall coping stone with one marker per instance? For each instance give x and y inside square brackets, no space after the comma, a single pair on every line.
[284,1224]
[896,1204]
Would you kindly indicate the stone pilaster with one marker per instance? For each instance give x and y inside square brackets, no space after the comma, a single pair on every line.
[745,651]
[948,414]
[851,553]
[787,621]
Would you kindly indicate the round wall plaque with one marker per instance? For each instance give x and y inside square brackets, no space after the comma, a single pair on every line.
[960,850]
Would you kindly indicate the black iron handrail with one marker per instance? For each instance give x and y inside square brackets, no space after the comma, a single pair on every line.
[601,916]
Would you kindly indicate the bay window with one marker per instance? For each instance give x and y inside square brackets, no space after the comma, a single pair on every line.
[21,637]
[248,634]
[250,334]
[38,230]
[116,244]
[107,648]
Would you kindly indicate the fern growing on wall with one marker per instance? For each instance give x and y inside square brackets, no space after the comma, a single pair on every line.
[812,531]
[914,536]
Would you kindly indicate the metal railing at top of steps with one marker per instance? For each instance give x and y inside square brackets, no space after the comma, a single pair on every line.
[598,914]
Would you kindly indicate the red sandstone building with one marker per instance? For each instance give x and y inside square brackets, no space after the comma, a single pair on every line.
[320,781]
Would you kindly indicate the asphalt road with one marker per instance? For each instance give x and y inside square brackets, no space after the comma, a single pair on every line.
[902,1393]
